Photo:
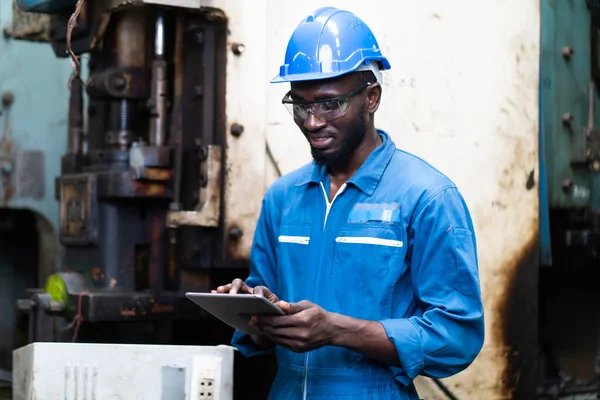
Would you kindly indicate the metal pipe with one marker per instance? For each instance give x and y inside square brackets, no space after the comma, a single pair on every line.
[159,42]
[590,122]
[125,39]
[176,118]
[124,48]
[158,99]
[121,124]
[75,132]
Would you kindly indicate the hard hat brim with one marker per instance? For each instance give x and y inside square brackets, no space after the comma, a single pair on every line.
[314,76]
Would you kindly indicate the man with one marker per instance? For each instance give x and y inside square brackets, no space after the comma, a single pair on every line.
[370,250]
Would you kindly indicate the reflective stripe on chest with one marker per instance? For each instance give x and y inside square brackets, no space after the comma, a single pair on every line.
[369,240]
[294,239]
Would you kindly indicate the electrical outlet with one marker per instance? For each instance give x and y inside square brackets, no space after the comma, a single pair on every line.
[205,378]
[206,389]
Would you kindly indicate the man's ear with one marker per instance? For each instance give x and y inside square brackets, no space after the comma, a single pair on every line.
[373,97]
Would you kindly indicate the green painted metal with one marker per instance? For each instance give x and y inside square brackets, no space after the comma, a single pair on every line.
[572,159]
[33,127]
[34,101]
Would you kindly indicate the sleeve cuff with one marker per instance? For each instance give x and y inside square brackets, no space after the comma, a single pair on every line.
[246,345]
[409,347]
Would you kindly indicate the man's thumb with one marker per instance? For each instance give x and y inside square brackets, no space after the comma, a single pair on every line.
[294,308]
[285,306]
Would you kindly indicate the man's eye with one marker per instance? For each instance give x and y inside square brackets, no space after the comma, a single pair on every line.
[330,106]
[299,108]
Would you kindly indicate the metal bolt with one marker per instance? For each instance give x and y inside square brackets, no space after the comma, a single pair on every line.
[567,118]
[567,185]
[237,130]
[118,82]
[567,52]
[8,98]
[203,153]
[199,37]
[238,48]
[235,233]
[203,180]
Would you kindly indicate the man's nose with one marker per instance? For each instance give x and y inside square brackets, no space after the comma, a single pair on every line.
[313,123]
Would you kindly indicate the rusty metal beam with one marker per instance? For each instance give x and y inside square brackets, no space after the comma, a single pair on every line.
[208,210]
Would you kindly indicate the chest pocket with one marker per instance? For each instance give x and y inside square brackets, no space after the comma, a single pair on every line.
[292,258]
[368,261]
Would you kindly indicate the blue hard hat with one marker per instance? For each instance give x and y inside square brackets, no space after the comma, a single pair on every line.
[329,43]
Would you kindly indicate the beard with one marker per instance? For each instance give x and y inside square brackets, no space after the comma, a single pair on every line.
[338,158]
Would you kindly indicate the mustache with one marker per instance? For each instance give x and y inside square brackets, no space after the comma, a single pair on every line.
[319,135]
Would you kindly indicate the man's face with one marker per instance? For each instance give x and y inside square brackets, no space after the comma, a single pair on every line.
[333,142]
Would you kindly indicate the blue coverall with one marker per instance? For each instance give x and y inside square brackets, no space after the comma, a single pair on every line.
[395,245]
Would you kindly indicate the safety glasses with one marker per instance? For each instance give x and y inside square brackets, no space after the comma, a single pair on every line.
[325,109]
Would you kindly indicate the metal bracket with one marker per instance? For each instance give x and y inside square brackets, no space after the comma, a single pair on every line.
[208,210]
[586,145]
[78,209]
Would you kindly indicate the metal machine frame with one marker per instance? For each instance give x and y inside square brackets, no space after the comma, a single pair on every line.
[141,191]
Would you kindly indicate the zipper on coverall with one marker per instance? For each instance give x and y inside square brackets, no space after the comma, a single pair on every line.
[328,206]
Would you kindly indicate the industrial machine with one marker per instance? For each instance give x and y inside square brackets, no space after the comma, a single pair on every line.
[146,184]
[569,200]
[142,185]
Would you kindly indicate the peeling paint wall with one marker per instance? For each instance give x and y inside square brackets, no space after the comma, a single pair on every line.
[463,94]
[245,154]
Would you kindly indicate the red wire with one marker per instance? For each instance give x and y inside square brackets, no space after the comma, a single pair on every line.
[79,316]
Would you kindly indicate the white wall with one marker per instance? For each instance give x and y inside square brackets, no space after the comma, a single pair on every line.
[462,93]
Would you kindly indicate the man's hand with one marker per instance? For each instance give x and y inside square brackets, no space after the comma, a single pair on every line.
[307,327]
[238,286]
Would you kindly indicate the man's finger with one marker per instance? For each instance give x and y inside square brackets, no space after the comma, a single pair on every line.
[281,321]
[236,286]
[285,306]
[262,291]
[291,344]
[295,308]
[266,293]
[252,322]
[277,332]
[224,288]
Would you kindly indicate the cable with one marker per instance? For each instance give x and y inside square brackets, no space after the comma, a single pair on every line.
[79,317]
[272,158]
[444,389]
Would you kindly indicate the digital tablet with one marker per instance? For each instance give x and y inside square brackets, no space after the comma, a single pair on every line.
[235,309]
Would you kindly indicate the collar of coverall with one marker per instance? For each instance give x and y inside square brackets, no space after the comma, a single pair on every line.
[368,175]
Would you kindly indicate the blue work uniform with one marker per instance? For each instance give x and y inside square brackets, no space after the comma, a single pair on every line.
[395,245]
